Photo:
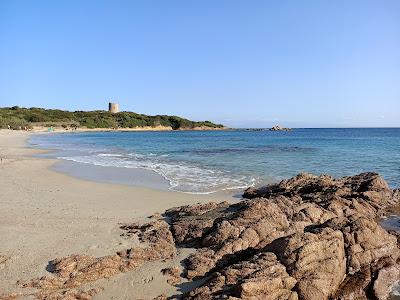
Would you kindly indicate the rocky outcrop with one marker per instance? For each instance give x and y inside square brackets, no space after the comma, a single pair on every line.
[321,231]
[366,193]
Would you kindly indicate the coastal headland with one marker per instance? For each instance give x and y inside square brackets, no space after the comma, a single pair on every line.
[41,119]
[307,237]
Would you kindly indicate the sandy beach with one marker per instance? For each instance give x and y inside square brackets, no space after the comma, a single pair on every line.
[60,129]
[45,214]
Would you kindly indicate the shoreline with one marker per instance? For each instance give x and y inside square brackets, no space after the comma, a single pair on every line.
[44,129]
[144,174]
[46,214]
[134,177]
[128,176]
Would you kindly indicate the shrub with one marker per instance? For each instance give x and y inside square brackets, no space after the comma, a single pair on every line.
[19,117]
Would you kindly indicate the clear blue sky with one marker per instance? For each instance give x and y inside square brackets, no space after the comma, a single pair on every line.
[243,63]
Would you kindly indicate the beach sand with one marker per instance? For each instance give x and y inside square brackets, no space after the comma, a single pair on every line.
[46,215]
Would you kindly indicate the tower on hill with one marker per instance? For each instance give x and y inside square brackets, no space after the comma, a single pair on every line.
[113,107]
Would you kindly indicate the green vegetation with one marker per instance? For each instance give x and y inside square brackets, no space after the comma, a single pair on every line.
[18,118]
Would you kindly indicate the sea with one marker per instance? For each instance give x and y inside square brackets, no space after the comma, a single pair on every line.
[210,161]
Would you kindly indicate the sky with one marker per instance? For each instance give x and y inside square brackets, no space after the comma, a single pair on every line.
[241,63]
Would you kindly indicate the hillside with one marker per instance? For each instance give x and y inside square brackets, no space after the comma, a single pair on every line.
[17,117]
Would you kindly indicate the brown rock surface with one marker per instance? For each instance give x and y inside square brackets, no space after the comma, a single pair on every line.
[367,192]
[261,277]
[70,294]
[12,296]
[161,297]
[366,242]
[191,222]
[174,274]
[316,260]
[322,230]
[384,283]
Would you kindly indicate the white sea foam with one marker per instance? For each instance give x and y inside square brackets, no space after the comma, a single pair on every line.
[110,155]
[181,176]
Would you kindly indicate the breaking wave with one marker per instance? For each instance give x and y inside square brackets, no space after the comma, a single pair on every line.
[181,176]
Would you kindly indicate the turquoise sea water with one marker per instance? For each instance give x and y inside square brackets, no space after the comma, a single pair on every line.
[208,161]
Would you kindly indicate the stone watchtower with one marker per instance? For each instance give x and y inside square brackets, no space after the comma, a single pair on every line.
[113,107]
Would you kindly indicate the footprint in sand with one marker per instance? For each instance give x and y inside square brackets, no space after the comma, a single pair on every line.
[143,281]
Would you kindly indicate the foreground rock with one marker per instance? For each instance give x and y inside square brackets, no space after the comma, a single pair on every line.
[309,237]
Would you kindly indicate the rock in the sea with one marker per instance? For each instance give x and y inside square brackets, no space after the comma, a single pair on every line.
[279,128]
